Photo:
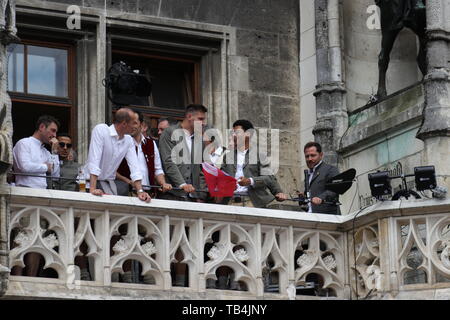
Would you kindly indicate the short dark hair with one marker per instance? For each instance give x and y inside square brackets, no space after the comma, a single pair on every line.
[192,108]
[171,121]
[63,134]
[46,120]
[313,144]
[245,124]
[140,115]
[123,114]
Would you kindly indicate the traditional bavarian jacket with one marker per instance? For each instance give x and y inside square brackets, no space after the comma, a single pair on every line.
[148,159]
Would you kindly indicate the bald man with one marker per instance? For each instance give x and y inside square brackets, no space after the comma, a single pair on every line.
[109,146]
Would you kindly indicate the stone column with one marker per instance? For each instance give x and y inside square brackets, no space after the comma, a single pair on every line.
[435,130]
[331,110]
[7,35]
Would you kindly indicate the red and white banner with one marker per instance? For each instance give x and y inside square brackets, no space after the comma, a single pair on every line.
[219,183]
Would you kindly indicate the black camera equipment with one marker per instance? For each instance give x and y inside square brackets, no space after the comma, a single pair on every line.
[380,183]
[125,87]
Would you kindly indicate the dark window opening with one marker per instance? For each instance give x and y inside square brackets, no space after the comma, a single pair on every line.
[175,82]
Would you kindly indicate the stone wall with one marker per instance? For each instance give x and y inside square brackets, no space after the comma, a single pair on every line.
[264,69]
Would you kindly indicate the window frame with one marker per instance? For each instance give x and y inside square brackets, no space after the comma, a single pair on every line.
[69,102]
[34,98]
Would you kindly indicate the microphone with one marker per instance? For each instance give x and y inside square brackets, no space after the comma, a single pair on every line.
[440,192]
[307,184]
[303,200]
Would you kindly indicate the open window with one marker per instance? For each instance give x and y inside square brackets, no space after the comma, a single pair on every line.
[175,81]
[41,81]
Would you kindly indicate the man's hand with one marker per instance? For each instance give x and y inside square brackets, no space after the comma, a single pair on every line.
[244,182]
[70,156]
[188,188]
[97,192]
[281,197]
[144,196]
[54,144]
[49,166]
[316,201]
[165,187]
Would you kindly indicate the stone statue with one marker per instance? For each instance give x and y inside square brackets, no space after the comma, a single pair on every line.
[395,15]
[8,28]
[8,34]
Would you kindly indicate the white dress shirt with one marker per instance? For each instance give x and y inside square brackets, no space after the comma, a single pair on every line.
[107,151]
[240,161]
[188,138]
[143,162]
[215,157]
[30,157]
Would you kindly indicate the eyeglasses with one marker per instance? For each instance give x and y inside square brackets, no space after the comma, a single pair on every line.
[62,145]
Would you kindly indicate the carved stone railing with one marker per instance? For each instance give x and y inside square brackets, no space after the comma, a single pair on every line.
[401,248]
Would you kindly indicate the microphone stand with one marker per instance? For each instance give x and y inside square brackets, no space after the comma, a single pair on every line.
[306,200]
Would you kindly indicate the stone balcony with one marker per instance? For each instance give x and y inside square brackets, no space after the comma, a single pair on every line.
[402,249]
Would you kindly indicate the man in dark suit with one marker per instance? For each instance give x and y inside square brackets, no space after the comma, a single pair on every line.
[319,173]
[255,180]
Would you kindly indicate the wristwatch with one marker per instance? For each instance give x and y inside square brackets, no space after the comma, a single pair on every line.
[140,191]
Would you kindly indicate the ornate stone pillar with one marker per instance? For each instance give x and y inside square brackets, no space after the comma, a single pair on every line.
[435,130]
[7,35]
[331,110]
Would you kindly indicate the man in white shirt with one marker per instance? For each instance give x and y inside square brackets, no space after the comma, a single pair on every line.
[109,145]
[149,160]
[31,157]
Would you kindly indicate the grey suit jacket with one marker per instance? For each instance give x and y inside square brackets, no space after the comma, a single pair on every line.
[264,181]
[317,189]
[180,169]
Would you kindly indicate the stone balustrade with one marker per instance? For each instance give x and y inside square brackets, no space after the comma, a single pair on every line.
[402,249]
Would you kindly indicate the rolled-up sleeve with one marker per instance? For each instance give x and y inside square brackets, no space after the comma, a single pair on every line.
[158,165]
[23,162]
[95,152]
[54,158]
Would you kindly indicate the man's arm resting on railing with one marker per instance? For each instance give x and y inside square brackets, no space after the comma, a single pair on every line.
[142,195]
[161,180]
[124,179]
[93,186]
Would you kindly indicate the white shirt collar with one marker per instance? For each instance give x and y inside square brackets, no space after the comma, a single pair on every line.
[315,167]
[143,139]
[113,131]
[36,141]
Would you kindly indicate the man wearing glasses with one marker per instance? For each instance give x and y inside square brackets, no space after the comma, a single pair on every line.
[68,166]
